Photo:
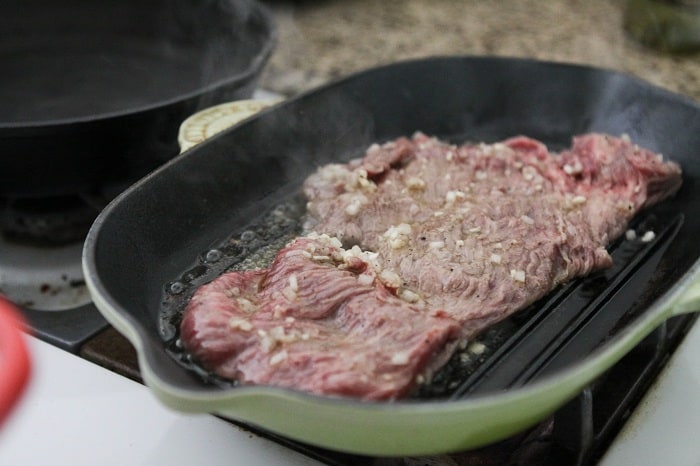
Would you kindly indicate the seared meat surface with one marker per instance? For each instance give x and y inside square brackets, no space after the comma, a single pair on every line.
[435,242]
[317,320]
[483,230]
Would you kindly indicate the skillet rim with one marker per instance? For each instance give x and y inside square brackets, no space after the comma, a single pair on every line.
[249,72]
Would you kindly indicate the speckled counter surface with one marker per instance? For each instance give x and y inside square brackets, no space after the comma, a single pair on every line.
[324,39]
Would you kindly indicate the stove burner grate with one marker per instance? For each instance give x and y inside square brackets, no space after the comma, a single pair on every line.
[54,220]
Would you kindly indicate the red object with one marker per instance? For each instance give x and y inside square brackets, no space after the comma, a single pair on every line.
[14,357]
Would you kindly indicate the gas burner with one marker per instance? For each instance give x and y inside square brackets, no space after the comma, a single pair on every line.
[47,278]
[47,221]
[46,281]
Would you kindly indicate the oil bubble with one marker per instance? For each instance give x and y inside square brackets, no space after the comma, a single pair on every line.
[176,287]
[213,255]
[248,235]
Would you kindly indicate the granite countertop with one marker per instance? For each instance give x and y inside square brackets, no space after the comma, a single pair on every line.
[323,39]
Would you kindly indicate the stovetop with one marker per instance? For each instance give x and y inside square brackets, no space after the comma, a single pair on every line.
[58,309]
[81,414]
[578,434]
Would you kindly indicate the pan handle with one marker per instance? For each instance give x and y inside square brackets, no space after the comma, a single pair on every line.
[209,121]
[689,299]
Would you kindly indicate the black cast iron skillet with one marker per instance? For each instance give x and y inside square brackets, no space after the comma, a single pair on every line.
[93,91]
[149,248]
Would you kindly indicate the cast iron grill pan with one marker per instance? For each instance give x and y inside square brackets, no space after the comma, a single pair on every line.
[161,231]
[218,188]
[548,335]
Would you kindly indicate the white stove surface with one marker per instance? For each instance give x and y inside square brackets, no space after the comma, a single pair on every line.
[665,427]
[77,413]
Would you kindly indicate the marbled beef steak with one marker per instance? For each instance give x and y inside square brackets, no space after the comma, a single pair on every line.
[415,247]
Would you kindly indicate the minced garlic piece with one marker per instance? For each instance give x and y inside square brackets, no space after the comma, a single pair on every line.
[529,172]
[452,196]
[365,279]
[293,283]
[400,359]
[574,169]
[390,278]
[240,324]
[246,305]
[630,235]
[414,182]
[648,236]
[578,200]
[518,275]
[279,357]
[409,296]
[355,205]
[477,348]
[496,258]
[398,236]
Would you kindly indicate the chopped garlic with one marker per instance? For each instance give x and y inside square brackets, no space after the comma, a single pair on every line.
[400,359]
[293,283]
[409,296]
[246,305]
[353,208]
[527,219]
[518,275]
[279,357]
[240,324]
[529,172]
[630,235]
[414,182]
[452,196]
[578,200]
[290,294]
[574,169]
[390,278]
[365,279]
[496,258]
[398,236]
[477,348]
[481,175]
[436,244]
[648,236]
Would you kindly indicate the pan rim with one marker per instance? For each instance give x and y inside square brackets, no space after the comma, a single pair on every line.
[249,72]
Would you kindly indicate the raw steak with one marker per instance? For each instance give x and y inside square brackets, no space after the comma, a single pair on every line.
[317,320]
[461,237]
[481,231]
